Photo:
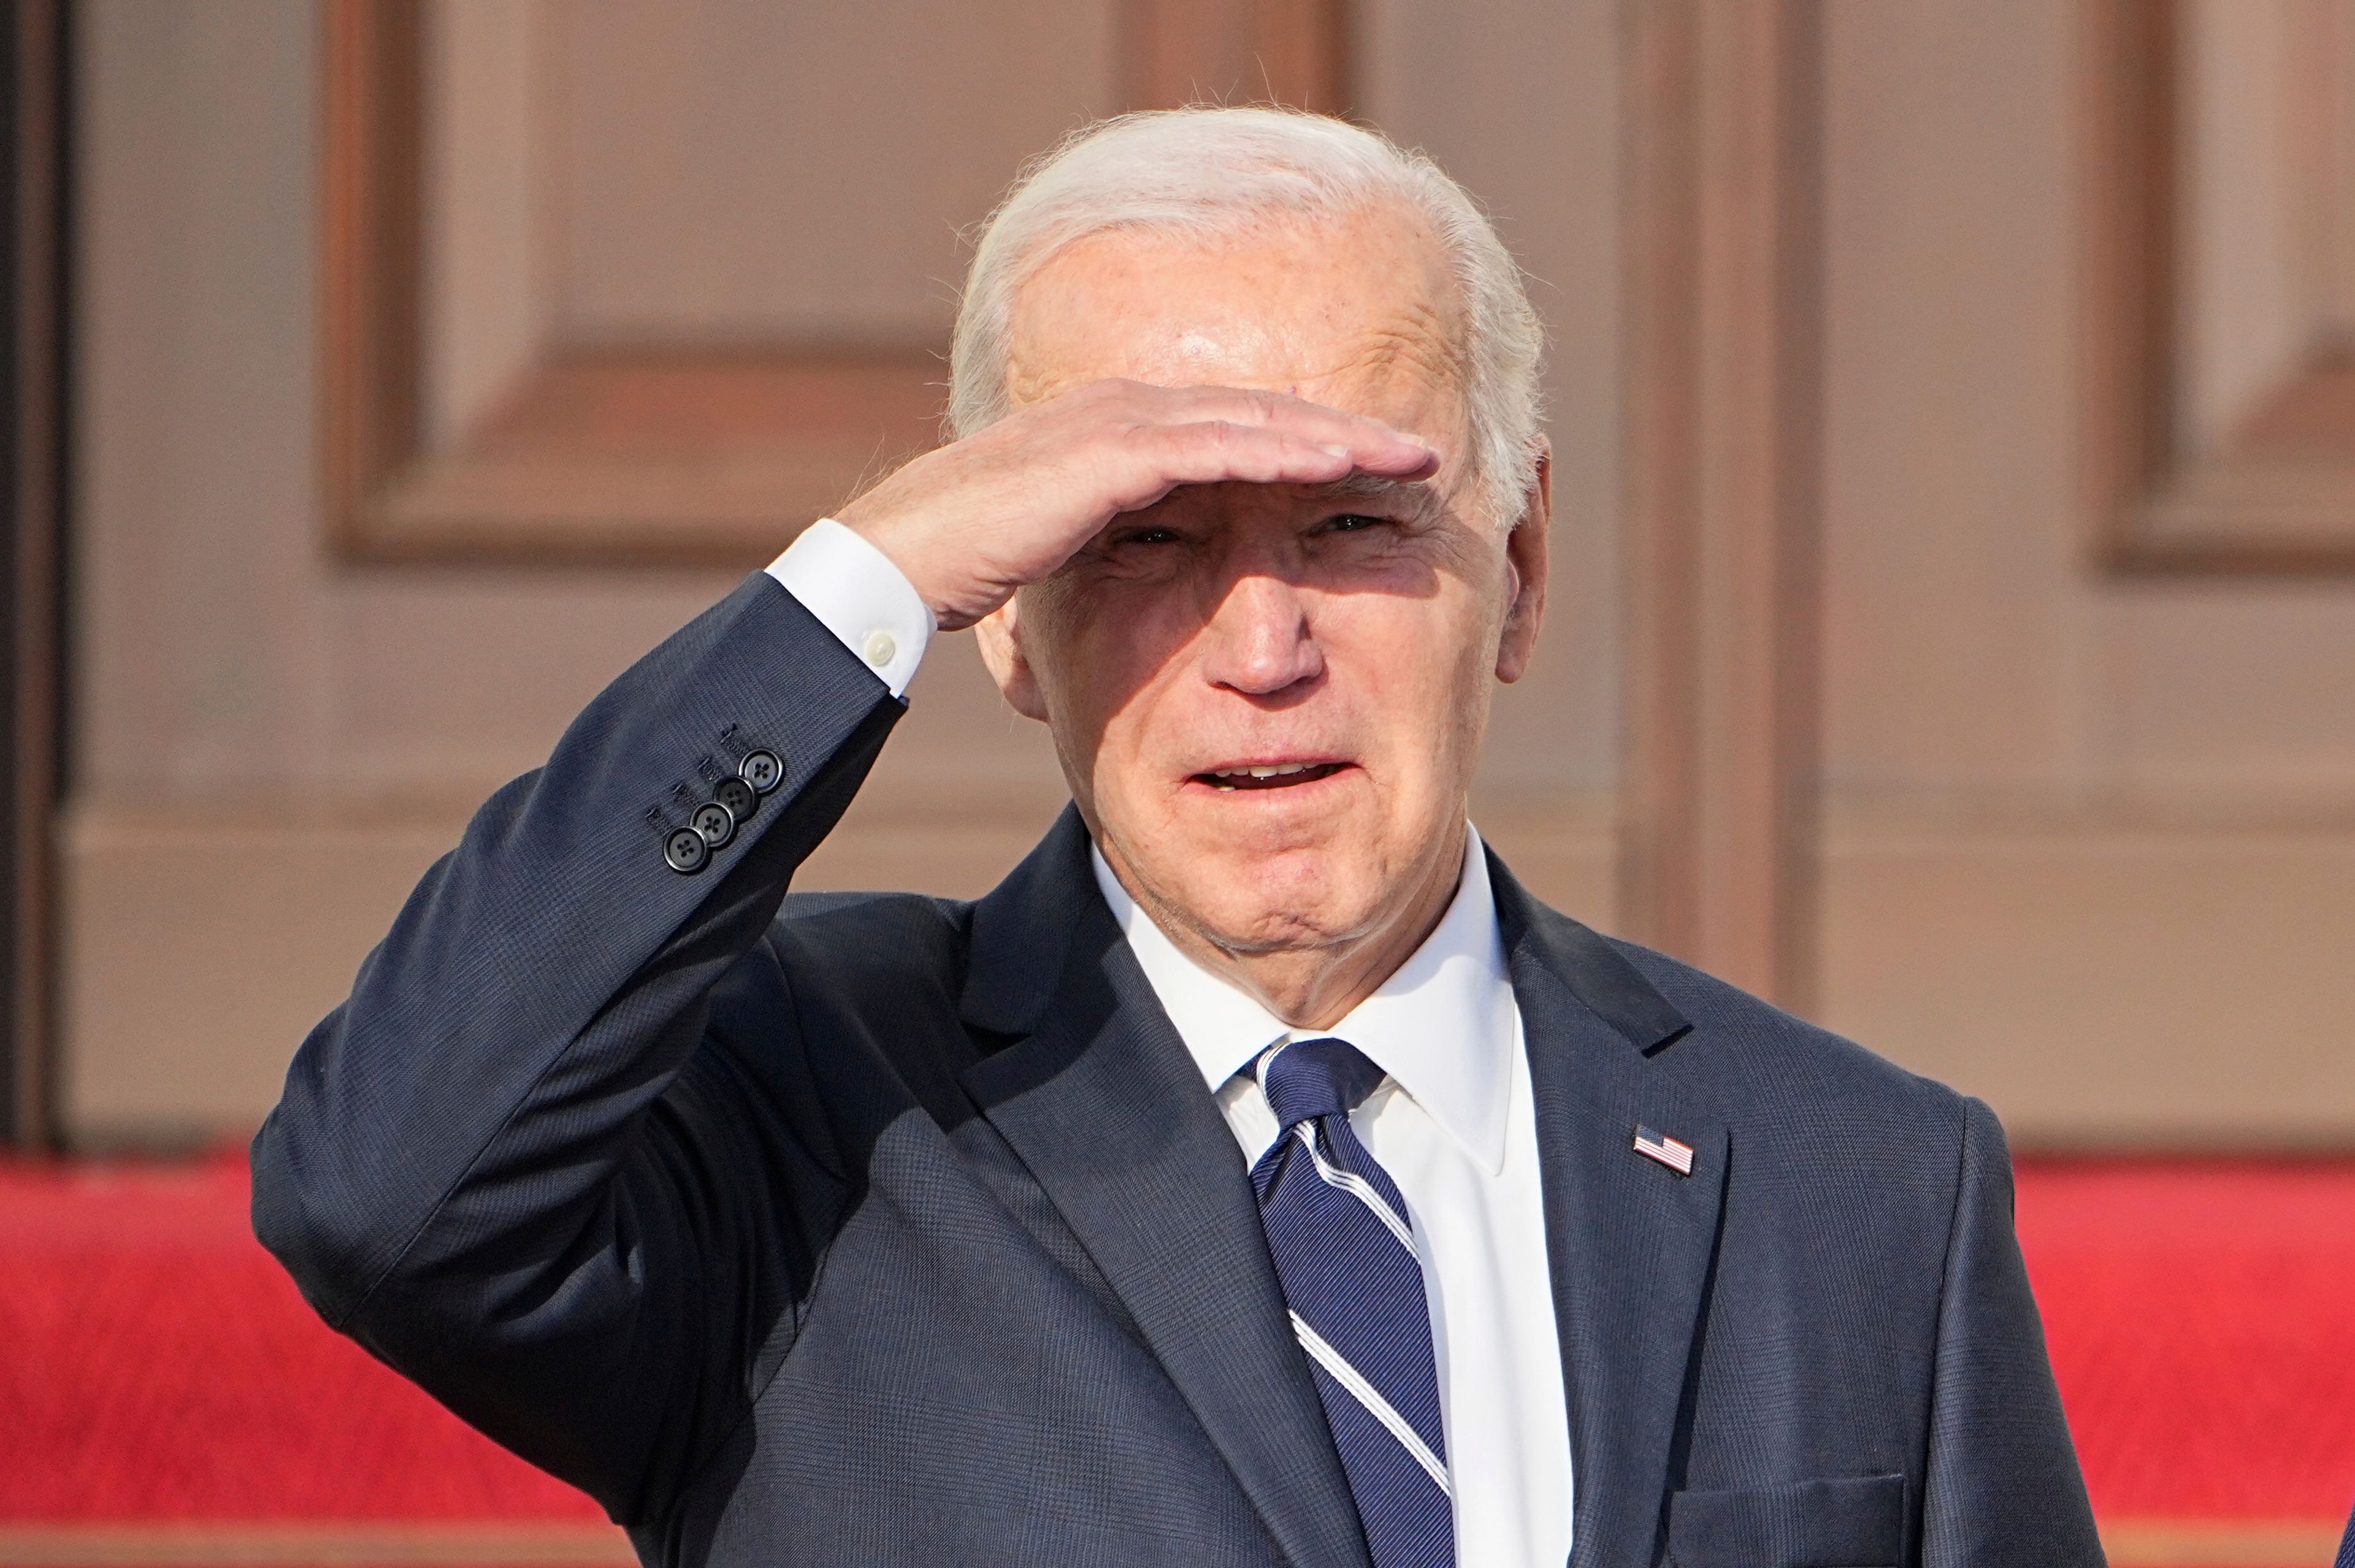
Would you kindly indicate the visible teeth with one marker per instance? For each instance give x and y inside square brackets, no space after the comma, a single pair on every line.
[1265,773]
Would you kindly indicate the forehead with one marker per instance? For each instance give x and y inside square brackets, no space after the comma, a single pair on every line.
[1359,311]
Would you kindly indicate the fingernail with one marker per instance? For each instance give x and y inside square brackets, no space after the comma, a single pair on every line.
[1336,451]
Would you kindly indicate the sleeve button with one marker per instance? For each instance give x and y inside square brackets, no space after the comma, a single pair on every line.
[713,823]
[764,771]
[740,798]
[686,852]
[880,648]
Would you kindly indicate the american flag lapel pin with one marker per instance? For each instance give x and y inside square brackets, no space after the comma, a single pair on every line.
[1673,1152]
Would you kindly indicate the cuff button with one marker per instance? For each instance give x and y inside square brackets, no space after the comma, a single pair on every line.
[686,852]
[880,648]
[741,798]
[764,771]
[713,823]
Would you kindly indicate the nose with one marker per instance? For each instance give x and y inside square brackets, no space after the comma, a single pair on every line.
[1259,640]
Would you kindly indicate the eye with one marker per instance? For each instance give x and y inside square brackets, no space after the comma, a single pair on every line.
[1353,522]
[1150,536]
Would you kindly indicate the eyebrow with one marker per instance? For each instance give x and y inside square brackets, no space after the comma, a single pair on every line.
[1416,493]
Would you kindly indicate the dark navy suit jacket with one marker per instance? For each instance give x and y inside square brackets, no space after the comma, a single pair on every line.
[883,1229]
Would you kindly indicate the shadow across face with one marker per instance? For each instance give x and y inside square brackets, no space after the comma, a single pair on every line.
[1269,699]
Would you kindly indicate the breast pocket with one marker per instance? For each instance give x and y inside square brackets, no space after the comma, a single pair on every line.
[1854,1521]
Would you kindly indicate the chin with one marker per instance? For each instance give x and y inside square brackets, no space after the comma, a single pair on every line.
[1254,900]
[1294,867]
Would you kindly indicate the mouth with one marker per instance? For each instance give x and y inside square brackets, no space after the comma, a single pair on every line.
[1243,776]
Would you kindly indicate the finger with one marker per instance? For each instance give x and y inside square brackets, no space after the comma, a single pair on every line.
[1215,452]
[1313,421]
[1374,445]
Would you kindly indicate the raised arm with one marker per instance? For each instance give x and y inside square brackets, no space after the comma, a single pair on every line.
[463,1172]
[510,1164]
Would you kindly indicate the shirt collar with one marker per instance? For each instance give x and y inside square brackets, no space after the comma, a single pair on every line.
[1442,1026]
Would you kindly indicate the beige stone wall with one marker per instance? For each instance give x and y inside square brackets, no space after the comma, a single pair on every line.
[2091,836]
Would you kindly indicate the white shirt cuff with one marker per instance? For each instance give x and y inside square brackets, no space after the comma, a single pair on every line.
[865,600]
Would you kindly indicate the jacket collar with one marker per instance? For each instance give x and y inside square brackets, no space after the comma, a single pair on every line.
[1023,931]
[1097,1097]
[1631,1244]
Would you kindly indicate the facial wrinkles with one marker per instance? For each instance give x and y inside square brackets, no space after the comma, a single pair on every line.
[1256,310]
[1420,343]
[1396,358]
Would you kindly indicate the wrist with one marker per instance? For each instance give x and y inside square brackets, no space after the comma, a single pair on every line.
[892,544]
[862,596]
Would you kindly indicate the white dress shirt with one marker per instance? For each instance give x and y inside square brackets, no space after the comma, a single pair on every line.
[858,595]
[1452,1121]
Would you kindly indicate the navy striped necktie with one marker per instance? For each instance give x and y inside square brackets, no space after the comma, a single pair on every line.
[1345,1255]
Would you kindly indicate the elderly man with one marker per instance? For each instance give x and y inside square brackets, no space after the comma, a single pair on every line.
[1259,1175]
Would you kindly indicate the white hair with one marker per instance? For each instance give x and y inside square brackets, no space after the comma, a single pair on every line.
[1215,173]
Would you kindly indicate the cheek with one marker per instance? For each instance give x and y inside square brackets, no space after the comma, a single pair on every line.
[1111,662]
[1423,669]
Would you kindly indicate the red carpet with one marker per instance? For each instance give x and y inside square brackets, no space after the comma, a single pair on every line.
[157,1369]
[2201,1319]
[157,1363]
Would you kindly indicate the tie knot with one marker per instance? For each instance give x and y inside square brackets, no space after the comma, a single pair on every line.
[1316,1078]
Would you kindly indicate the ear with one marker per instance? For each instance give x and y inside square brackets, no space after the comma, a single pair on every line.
[999,633]
[1525,572]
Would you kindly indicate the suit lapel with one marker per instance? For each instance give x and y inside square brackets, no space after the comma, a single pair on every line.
[1097,1096]
[1630,1243]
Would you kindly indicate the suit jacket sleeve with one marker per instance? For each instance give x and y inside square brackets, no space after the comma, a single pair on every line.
[503,1165]
[2004,1487]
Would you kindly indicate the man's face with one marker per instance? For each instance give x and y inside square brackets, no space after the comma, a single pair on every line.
[1269,701]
